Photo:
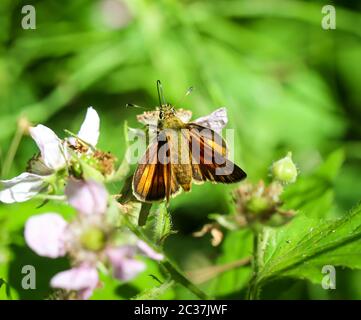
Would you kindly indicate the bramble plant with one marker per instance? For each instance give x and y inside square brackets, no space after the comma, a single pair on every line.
[285,77]
[109,233]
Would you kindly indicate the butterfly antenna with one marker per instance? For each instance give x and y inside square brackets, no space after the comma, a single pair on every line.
[188,92]
[133,105]
[160,94]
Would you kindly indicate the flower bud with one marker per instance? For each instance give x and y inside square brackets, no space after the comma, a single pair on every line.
[284,170]
[258,204]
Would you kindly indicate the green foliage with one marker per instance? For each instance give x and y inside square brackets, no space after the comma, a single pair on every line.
[311,240]
[155,292]
[162,224]
[287,85]
[232,283]
[305,245]
[314,194]
[6,286]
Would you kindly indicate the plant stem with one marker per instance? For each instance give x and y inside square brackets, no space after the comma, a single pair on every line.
[253,290]
[168,265]
[205,274]
[12,151]
[123,170]
[178,276]
[50,197]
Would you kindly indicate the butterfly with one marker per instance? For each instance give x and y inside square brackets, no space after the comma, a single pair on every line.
[182,152]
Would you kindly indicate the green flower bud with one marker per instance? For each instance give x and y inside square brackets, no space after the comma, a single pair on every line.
[257,204]
[284,170]
[93,239]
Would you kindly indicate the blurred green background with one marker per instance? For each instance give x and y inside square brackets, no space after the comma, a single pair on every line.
[288,85]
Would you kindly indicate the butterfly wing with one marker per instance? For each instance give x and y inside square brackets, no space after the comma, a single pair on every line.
[162,170]
[153,179]
[209,157]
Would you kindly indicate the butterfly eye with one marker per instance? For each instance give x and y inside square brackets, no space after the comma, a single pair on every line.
[161,114]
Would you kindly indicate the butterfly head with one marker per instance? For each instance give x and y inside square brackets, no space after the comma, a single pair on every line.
[168,118]
[166,111]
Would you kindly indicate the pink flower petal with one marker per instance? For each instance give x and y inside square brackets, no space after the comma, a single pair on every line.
[21,188]
[148,251]
[125,267]
[52,151]
[44,234]
[88,197]
[89,131]
[83,279]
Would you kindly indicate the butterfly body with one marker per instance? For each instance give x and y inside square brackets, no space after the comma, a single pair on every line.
[168,119]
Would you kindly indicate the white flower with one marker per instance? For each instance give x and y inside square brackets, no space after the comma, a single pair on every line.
[83,279]
[89,130]
[53,226]
[87,240]
[52,150]
[87,197]
[53,157]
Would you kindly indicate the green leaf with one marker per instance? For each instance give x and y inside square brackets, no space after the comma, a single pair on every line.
[155,292]
[301,248]
[90,173]
[7,288]
[124,167]
[162,224]
[236,245]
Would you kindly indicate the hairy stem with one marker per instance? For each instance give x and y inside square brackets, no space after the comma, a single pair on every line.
[169,266]
[253,289]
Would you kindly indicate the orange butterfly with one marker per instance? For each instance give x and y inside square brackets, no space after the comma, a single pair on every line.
[182,152]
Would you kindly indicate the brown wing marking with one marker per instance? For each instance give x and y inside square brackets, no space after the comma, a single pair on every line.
[152,179]
[204,164]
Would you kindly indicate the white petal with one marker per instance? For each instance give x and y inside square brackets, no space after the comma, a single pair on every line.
[216,121]
[45,234]
[88,197]
[21,188]
[125,267]
[83,279]
[52,150]
[148,251]
[85,294]
[89,131]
